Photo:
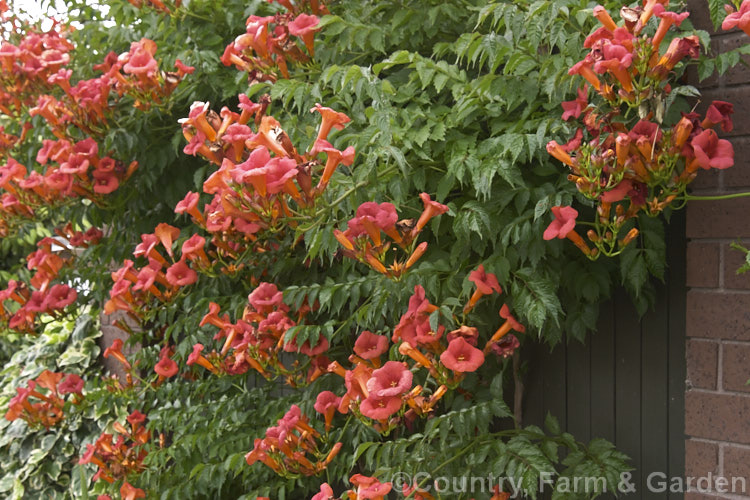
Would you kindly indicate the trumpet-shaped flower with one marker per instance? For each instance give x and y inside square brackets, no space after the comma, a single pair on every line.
[136,418]
[380,407]
[573,109]
[485,282]
[304,26]
[431,209]
[141,60]
[393,379]
[617,193]
[383,216]
[460,356]
[326,404]
[719,112]
[331,119]
[565,221]
[192,248]
[166,367]
[514,324]
[370,487]
[678,49]
[712,152]
[506,346]
[279,171]
[258,159]
[468,333]
[668,19]
[72,384]
[326,400]
[326,493]
[370,346]
[105,182]
[130,492]
[60,296]
[265,297]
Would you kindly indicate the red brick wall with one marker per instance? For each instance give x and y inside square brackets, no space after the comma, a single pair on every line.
[717,401]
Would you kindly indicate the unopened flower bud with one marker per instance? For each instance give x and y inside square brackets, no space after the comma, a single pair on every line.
[593,237]
[632,234]
[603,211]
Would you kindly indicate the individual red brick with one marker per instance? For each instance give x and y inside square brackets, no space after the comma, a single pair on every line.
[718,315]
[737,176]
[702,264]
[737,464]
[702,363]
[719,218]
[735,367]
[723,417]
[733,260]
[691,77]
[741,72]
[701,458]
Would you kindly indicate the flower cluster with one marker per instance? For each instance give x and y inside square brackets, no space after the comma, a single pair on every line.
[384,392]
[119,456]
[377,393]
[87,106]
[267,47]
[363,240]
[457,352]
[134,287]
[259,339]
[28,66]
[623,156]
[136,73]
[27,301]
[47,411]
[74,170]
[624,66]
[35,81]
[291,448]
[262,180]
[165,368]
[380,393]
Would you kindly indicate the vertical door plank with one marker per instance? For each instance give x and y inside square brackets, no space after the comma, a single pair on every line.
[578,380]
[603,375]
[628,380]
[676,259]
[654,395]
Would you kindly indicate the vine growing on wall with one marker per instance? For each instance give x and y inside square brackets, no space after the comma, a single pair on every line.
[324,232]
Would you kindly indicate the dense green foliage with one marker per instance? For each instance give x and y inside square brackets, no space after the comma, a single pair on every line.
[455,99]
